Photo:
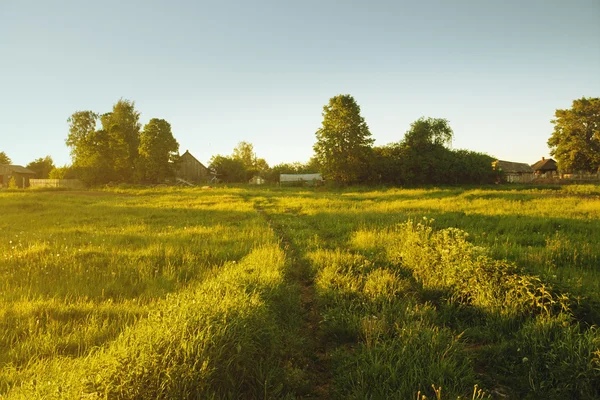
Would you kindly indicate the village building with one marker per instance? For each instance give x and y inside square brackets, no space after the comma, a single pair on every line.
[192,170]
[545,168]
[257,180]
[514,172]
[20,174]
[300,179]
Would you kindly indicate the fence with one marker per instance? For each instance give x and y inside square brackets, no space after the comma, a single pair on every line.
[56,183]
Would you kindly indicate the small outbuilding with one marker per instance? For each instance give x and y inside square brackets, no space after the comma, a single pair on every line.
[192,170]
[257,180]
[514,172]
[545,168]
[20,174]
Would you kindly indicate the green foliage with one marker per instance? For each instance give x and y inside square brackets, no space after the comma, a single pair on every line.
[4,159]
[343,147]
[423,158]
[244,152]
[41,167]
[122,128]
[119,152]
[12,183]
[64,172]
[229,169]
[575,141]
[426,133]
[90,151]
[158,152]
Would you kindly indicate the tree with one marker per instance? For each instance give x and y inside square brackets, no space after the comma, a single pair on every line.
[343,147]
[123,130]
[158,151]
[229,169]
[425,157]
[90,152]
[41,167]
[64,172]
[244,152]
[575,141]
[426,133]
[4,159]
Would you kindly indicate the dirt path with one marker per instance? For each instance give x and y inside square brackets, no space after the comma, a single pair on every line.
[315,362]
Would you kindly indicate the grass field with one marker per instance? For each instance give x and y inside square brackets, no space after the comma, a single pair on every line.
[295,293]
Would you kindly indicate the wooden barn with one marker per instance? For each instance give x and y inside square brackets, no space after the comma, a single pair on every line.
[192,170]
[21,175]
[514,172]
[545,168]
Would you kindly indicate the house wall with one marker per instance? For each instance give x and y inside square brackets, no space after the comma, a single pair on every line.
[22,180]
[519,177]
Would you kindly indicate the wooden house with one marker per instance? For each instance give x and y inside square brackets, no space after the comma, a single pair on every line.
[545,168]
[21,175]
[514,172]
[192,170]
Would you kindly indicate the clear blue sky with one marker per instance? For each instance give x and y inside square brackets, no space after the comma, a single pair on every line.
[260,71]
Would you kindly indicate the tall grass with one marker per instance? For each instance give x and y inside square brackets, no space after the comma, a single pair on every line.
[239,293]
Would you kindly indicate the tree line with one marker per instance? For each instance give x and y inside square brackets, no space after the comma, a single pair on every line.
[113,147]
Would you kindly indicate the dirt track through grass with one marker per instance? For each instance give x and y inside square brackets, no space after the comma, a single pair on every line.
[315,361]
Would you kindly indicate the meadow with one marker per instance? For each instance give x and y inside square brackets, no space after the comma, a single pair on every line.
[300,293]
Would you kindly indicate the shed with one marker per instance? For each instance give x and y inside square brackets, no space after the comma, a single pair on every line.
[514,172]
[190,169]
[21,175]
[257,180]
[546,168]
[300,179]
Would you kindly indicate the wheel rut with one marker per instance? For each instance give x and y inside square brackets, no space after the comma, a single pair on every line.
[315,360]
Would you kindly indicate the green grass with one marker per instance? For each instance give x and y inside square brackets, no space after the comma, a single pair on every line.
[293,293]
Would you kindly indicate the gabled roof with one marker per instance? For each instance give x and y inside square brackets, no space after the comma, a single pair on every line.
[512,167]
[194,158]
[18,169]
[545,164]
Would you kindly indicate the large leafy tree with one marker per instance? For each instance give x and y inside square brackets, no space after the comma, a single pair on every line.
[423,152]
[343,147]
[575,141]
[158,151]
[4,159]
[229,169]
[41,167]
[244,152]
[90,152]
[106,154]
[123,130]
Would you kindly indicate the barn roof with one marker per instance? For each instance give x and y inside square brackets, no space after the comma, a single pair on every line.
[194,158]
[513,167]
[545,164]
[18,169]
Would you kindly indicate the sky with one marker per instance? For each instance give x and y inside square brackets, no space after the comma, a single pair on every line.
[222,72]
